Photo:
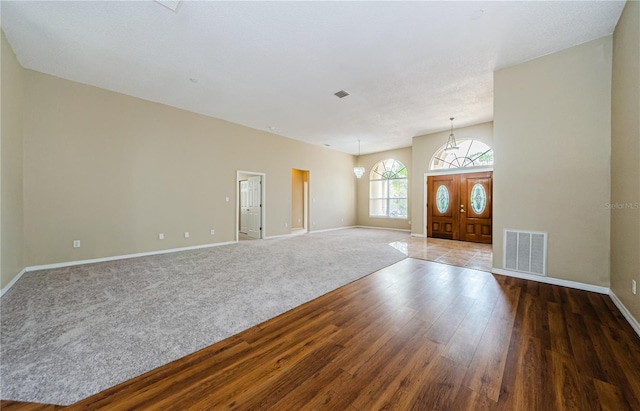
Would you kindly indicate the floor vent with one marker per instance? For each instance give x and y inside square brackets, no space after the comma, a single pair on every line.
[525,251]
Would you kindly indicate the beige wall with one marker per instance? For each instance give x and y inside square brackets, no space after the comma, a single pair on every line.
[114,171]
[625,158]
[424,147]
[11,215]
[368,161]
[552,141]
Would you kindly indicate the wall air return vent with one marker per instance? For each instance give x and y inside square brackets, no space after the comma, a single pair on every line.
[525,251]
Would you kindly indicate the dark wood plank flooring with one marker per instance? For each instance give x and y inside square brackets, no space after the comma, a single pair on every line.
[414,336]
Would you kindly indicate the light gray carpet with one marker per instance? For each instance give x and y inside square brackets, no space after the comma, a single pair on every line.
[72,332]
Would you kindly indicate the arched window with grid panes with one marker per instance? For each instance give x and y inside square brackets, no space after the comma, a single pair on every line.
[388,190]
[470,153]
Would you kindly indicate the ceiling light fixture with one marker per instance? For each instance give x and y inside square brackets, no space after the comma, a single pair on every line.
[451,142]
[358,171]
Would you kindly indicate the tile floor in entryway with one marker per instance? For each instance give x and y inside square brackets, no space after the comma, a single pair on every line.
[458,253]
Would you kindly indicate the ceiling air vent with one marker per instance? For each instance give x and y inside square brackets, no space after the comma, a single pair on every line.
[341,94]
[170,4]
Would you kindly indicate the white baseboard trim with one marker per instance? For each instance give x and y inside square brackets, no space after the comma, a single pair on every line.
[332,229]
[382,228]
[627,315]
[272,237]
[12,282]
[301,232]
[418,235]
[122,257]
[293,233]
[554,281]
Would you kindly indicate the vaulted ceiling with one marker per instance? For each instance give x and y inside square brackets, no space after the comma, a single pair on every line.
[275,66]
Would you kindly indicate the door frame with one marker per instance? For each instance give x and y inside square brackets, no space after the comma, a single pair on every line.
[263,192]
[305,200]
[448,171]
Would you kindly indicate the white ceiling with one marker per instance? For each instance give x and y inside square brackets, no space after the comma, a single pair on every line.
[274,66]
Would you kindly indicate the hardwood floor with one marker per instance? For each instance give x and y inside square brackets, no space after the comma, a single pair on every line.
[415,335]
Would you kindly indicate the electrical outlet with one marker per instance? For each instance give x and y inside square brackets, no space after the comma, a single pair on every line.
[186,234]
[213,232]
[633,286]
[76,243]
[286,225]
[161,236]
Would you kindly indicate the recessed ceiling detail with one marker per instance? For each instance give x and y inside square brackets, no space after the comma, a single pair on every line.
[341,94]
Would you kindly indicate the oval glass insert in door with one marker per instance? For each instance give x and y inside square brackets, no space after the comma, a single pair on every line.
[478,198]
[442,199]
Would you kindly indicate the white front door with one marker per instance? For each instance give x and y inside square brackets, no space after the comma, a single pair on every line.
[254,207]
[244,203]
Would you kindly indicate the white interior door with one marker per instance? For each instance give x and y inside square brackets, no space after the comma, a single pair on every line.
[244,204]
[254,207]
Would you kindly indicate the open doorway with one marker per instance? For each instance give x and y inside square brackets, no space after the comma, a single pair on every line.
[250,208]
[299,201]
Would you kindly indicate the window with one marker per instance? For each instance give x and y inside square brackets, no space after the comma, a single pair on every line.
[472,153]
[388,188]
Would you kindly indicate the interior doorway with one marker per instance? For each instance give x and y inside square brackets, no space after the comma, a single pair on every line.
[250,205]
[459,206]
[299,201]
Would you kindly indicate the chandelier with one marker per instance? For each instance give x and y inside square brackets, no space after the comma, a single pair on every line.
[451,142]
[358,171]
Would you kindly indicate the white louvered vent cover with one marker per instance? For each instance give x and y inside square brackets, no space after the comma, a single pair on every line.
[525,251]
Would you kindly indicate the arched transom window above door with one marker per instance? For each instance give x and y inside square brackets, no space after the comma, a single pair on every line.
[470,153]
